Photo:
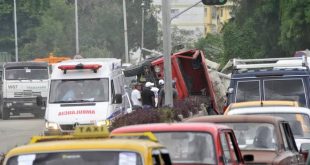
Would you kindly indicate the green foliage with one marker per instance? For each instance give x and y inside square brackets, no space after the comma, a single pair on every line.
[267,28]
[212,44]
[49,26]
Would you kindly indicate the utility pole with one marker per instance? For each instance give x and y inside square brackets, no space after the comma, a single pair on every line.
[15,32]
[125,32]
[142,30]
[167,52]
[77,47]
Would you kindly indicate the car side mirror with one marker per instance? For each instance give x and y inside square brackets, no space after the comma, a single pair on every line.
[248,158]
[118,99]
[39,101]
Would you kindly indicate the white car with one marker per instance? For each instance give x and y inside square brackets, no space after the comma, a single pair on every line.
[298,118]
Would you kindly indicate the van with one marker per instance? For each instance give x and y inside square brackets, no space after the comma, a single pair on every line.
[85,92]
[284,79]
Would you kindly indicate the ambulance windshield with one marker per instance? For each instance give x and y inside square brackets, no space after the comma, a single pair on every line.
[79,90]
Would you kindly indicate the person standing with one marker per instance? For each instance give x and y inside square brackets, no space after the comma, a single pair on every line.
[161,94]
[148,96]
[136,96]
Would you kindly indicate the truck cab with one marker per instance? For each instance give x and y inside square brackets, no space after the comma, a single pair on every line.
[85,92]
[23,82]
[270,79]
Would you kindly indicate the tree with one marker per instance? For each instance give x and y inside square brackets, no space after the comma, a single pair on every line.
[28,14]
[212,44]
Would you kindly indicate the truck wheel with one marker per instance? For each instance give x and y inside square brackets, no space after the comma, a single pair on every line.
[5,114]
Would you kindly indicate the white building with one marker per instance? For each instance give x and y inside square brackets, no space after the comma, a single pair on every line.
[192,19]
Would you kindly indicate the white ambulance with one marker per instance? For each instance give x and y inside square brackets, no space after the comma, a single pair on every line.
[85,92]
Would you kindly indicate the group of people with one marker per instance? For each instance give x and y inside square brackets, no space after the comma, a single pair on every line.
[148,96]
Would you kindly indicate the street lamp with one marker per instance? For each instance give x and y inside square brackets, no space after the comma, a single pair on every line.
[142,30]
[76,30]
[15,32]
[125,32]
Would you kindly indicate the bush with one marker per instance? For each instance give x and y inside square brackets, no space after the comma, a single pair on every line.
[184,108]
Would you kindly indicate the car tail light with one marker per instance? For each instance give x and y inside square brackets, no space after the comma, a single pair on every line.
[93,67]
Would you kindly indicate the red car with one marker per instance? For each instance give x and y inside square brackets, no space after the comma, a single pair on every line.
[194,143]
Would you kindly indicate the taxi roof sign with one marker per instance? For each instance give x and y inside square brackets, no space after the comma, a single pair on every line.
[81,132]
[144,135]
[91,131]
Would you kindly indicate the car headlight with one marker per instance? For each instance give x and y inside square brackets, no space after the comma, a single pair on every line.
[51,125]
[104,122]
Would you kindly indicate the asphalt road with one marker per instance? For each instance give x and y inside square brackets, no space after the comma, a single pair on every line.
[18,131]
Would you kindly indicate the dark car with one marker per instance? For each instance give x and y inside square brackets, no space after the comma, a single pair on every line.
[269,139]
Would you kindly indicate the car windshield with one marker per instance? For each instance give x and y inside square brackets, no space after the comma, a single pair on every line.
[292,89]
[254,136]
[78,158]
[80,90]
[26,74]
[299,123]
[189,147]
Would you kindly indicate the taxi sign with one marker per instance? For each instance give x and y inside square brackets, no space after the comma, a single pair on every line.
[145,135]
[80,132]
[91,131]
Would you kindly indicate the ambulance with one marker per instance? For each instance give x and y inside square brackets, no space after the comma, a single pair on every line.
[85,92]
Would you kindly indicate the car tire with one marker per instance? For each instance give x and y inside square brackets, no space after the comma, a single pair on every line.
[5,113]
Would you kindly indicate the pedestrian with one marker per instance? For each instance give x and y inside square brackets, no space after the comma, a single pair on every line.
[155,90]
[161,83]
[136,96]
[161,94]
[148,96]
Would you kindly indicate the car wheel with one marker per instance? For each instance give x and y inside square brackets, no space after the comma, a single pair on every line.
[5,114]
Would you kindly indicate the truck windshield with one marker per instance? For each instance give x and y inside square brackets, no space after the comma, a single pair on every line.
[285,89]
[78,158]
[79,90]
[189,147]
[26,74]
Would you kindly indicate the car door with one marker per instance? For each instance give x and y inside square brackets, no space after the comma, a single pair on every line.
[231,152]
[290,154]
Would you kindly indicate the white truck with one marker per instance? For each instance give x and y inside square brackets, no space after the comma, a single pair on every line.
[85,92]
[23,82]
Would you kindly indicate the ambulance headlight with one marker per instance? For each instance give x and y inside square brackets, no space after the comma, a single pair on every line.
[51,125]
[104,122]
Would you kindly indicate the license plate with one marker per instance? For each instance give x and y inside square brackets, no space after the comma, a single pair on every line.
[28,104]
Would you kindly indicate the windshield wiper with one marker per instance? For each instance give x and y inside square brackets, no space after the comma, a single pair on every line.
[74,101]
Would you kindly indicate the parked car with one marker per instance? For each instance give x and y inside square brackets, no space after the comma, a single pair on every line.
[270,79]
[91,145]
[193,143]
[269,139]
[298,117]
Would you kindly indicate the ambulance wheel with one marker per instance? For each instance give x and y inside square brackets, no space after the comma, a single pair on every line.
[5,114]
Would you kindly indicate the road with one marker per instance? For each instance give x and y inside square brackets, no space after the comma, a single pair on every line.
[18,131]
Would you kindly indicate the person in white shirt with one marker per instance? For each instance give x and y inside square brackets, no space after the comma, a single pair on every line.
[136,96]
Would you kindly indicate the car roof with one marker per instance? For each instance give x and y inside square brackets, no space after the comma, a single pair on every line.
[269,73]
[171,127]
[237,119]
[270,109]
[85,144]
[262,104]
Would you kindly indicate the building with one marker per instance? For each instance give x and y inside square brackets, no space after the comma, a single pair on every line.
[191,20]
[216,16]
